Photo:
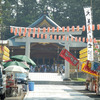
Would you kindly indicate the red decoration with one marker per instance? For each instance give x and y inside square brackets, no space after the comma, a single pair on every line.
[57,29]
[69,57]
[63,29]
[11,30]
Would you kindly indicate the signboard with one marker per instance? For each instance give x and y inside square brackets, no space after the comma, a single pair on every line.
[69,57]
[4,53]
[83,55]
[88,17]
[86,67]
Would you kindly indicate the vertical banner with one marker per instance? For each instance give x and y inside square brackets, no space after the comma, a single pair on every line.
[88,16]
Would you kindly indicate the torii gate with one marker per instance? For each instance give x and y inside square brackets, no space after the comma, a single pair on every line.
[62,33]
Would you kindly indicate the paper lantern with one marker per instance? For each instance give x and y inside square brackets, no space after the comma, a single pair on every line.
[76,39]
[67,38]
[57,29]
[24,33]
[15,31]
[50,36]
[67,28]
[48,29]
[63,37]
[98,26]
[29,31]
[93,27]
[38,35]
[34,30]
[59,37]
[44,30]
[55,37]
[86,39]
[72,28]
[33,35]
[83,39]
[77,28]
[53,29]
[11,30]
[41,36]
[71,38]
[83,27]
[45,36]
[38,30]
[79,39]
[63,29]
[20,30]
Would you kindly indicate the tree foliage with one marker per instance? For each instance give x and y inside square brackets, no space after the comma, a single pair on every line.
[63,12]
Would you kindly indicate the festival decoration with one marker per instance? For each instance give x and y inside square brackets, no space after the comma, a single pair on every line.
[69,57]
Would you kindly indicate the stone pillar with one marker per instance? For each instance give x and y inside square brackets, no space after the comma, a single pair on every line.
[67,67]
[27,47]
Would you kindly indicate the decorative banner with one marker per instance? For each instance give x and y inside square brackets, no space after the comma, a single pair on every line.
[95,66]
[86,67]
[69,57]
[88,17]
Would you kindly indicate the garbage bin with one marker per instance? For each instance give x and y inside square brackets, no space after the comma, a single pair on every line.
[31,86]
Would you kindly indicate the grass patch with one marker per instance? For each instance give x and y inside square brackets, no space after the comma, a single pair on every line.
[79,79]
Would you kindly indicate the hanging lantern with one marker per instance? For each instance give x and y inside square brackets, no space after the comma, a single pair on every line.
[57,29]
[72,28]
[67,28]
[55,37]
[11,30]
[20,30]
[59,37]
[79,39]
[93,27]
[67,38]
[38,35]
[53,29]
[29,31]
[33,35]
[44,30]
[48,30]
[71,38]
[83,39]
[63,37]
[24,33]
[38,30]
[98,26]
[86,39]
[34,30]
[63,29]
[45,36]
[76,39]
[50,36]
[77,28]
[41,36]
[15,31]
[83,27]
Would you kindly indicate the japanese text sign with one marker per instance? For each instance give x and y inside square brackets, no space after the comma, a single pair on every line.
[69,57]
[88,16]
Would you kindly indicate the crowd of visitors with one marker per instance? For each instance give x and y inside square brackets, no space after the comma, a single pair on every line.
[47,68]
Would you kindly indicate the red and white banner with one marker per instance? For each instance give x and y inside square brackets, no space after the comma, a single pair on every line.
[88,16]
[69,57]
